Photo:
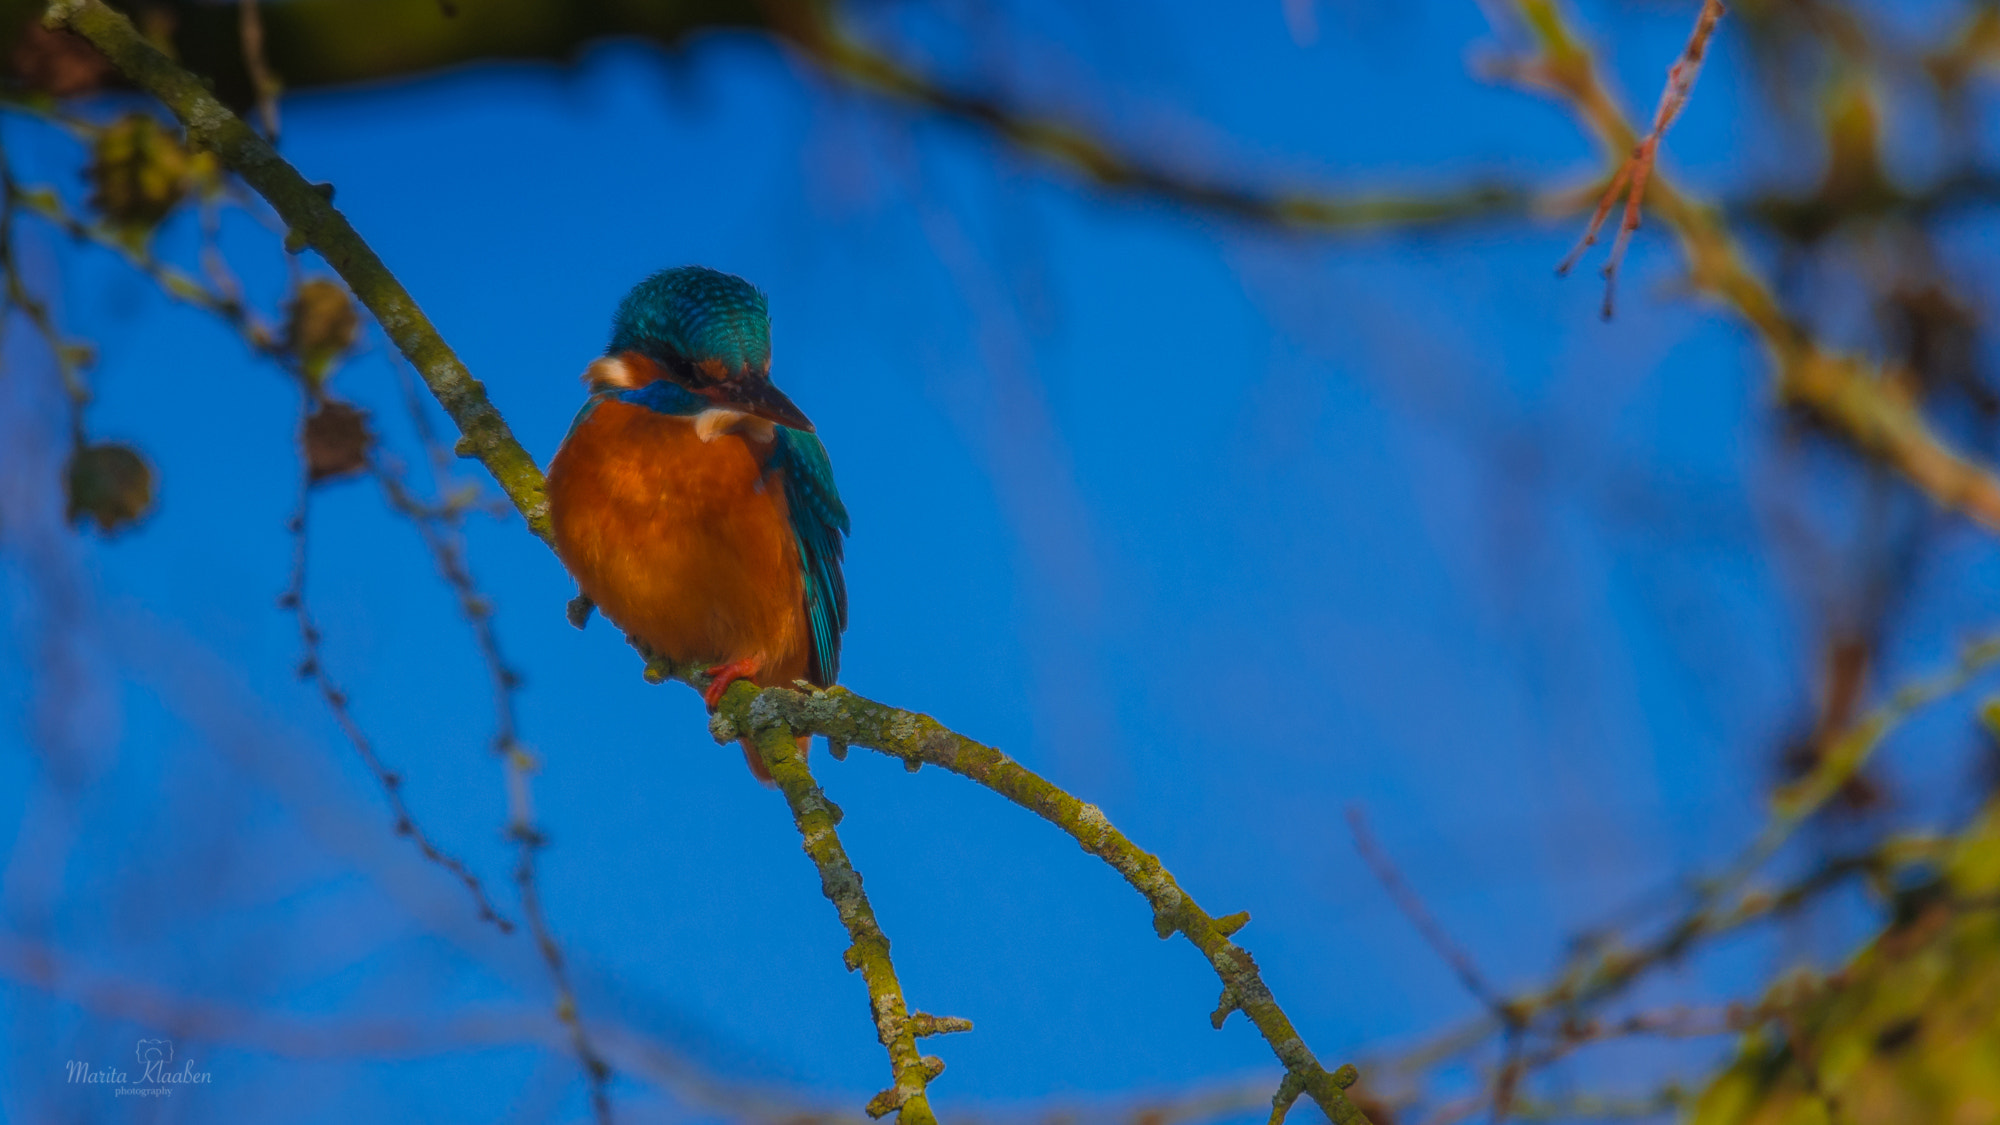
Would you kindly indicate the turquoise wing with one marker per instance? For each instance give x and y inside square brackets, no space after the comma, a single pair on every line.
[819,522]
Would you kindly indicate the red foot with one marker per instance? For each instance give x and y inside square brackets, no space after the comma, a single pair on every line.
[722,675]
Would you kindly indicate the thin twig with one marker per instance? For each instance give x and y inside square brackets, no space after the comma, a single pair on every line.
[17,297]
[217,298]
[1633,175]
[312,668]
[1857,399]
[250,21]
[438,526]
[1427,925]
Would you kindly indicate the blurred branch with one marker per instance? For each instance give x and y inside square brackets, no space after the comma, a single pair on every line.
[16,296]
[323,43]
[1973,49]
[816,30]
[1406,900]
[312,668]
[250,22]
[1866,405]
[1560,1016]
[317,44]
[437,525]
[171,280]
[308,212]
[320,44]
[1713,912]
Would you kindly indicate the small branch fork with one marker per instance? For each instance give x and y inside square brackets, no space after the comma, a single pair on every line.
[868,954]
[1632,176]
[773,717]
[847,719]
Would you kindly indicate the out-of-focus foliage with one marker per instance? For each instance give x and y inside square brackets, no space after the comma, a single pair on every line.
[140,171]
[1909,1031]
[312,44]
[320,327]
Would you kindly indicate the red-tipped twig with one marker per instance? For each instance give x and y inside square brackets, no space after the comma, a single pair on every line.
[1630,179]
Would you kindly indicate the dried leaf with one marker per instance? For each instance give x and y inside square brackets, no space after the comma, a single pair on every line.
[322,325]
[336,441]
[109,483]
[61,63]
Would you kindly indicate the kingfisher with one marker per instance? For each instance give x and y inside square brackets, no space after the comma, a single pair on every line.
[692,501]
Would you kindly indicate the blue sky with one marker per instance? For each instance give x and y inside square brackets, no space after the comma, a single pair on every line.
[1221,529]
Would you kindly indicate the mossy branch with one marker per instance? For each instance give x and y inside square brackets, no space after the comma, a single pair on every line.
[847,719]
[895,1025]
[773,717]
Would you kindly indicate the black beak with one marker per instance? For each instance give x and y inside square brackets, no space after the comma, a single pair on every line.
[759,397]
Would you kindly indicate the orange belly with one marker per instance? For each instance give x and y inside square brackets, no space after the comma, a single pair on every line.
[685,544]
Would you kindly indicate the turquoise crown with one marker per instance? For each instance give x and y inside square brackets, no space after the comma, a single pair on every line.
[690,315]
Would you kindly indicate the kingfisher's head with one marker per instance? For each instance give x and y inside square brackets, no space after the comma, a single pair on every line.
[704,330]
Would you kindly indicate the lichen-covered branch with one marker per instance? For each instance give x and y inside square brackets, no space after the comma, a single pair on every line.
[847,719]
[868,954]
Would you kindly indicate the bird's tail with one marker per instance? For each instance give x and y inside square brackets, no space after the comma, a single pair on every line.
[756,760]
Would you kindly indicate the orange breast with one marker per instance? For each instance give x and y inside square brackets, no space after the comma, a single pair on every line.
[684,543]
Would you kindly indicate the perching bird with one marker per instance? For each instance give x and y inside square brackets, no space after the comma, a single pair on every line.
[691,501]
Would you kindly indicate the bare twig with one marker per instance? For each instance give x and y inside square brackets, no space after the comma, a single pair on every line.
[312,668]
[817,30]
[437,525]
[171,280]
[1406,900]
[1632,176]
[251,23]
